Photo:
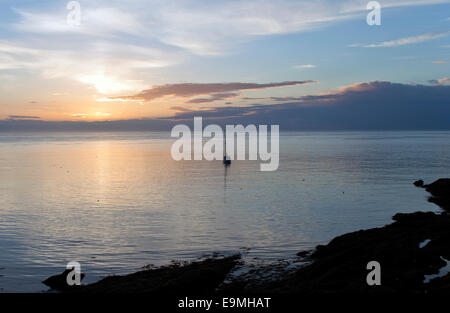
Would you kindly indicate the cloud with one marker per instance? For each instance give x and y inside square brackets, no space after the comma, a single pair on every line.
[221,90]
[211,28]
[109,67]
[216,28]
[441,81]
[439,62]
[203,29]
[23,117]
[406,40]
[82,115]
[124,40]
[98,21]
[375,105]
[180,109]
[281,99]
[214,97]
[300,67]
[378,105]
[102,114]
[358,5]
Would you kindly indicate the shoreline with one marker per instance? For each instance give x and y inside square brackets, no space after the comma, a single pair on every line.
[411,251]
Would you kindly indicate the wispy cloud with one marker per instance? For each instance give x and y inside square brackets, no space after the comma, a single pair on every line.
[23,117]
[212,29]
[360,5]
[439,62]
[201,29]
[111,47]
[98,21]
[81,115]
[214,97]
[180,108]
[109,67]
[301,67]
[405,40]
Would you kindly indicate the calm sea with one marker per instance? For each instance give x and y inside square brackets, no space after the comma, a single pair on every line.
[117,201]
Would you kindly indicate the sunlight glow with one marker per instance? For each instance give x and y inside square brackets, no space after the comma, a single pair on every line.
[108,84]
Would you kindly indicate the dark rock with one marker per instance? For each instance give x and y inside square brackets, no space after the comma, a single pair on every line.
[198,278]
[340,266]
[59,282]
[303,254]
[418,183]
[440,191]
[440,186]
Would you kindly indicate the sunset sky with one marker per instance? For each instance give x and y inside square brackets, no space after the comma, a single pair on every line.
[141,59]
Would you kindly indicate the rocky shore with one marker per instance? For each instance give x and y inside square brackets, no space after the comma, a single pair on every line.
[413,253]
[440,193]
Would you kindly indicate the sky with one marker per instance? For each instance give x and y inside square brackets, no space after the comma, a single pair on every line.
[301,64]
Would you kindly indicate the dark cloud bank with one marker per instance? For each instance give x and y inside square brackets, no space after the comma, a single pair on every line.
[194,89]
[365,106]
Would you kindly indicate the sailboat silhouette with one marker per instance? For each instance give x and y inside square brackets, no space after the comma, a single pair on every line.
[226,158]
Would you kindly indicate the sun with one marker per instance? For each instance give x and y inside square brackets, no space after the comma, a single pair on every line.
[108,85]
